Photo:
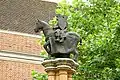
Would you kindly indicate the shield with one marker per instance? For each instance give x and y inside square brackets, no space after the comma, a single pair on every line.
[62,21]
[57,47]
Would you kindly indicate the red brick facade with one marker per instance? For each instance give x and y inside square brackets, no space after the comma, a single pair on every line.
[17,71]
[19,43]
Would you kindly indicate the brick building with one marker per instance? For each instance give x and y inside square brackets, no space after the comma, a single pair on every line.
[19,49]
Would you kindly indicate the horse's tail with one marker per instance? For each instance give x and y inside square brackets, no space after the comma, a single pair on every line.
[77,36]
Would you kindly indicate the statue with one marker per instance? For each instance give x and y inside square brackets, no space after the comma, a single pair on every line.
[60,28]
[59,42]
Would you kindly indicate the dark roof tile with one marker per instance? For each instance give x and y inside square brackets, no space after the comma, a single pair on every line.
[21,15]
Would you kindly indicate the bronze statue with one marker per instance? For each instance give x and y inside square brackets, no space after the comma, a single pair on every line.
[59,42]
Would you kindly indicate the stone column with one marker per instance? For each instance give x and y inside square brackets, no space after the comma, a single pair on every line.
[60,68]
[70,75]
[50,69]
[51,75]
[57,75]
[63,75]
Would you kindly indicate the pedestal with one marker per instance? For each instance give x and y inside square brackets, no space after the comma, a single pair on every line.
[60,68]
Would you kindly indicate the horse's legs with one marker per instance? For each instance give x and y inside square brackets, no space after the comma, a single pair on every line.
[47,48]
[75,54]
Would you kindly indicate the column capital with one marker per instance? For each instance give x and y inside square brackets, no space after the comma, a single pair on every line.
[60,63]
[60,68]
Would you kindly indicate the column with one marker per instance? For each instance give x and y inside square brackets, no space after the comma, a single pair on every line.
[63,75]
[69,76]
[60,68]
[51,75]
[57,75]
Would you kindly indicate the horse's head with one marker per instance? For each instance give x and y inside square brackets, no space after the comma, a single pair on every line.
[39,26]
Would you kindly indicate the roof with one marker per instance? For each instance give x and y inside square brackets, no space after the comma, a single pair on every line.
[21,15]
[55,1]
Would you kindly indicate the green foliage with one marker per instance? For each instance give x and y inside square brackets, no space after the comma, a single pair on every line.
[53,22]
[98,23]
[41,42]
[38,76]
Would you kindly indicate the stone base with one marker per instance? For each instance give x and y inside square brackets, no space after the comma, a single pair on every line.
[60,68]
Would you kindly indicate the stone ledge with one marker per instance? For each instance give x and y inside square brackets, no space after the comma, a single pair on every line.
[60,63]
[20,34]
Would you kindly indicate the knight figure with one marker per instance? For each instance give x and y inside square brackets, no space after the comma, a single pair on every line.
[59,42]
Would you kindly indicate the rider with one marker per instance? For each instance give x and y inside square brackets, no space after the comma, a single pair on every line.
[60,28]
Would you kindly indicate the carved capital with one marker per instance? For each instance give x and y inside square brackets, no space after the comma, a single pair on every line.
[60,64]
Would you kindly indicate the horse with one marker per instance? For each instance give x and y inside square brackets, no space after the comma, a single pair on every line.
[47,31]
[56,49]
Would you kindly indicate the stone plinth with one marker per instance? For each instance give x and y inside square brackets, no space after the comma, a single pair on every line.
[60,68]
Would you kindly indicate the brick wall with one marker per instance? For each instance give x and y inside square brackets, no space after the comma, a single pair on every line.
[20,16]
[10,70]
[19,43]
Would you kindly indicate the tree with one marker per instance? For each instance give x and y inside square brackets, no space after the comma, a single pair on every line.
[98,23]
[39,76]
